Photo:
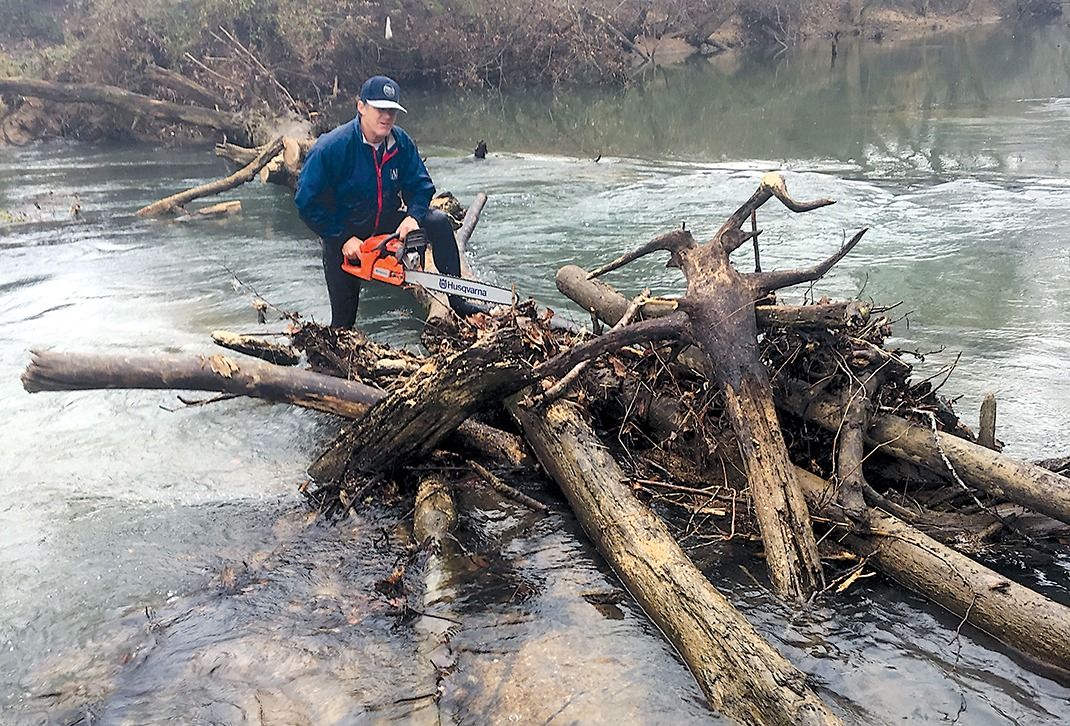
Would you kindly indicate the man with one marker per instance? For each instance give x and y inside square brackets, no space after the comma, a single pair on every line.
[352,186]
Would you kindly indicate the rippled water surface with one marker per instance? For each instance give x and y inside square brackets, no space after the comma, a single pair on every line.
[157,564]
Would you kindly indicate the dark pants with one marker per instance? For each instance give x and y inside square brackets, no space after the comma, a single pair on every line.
[344,289]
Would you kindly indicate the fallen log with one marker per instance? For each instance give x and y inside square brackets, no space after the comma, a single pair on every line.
[742,676]
[1028,622]
[212,211]
[173,204]
[185,87]
[410,422]
[595,295]
[55,371]
[256,346]
[225,121]
[992,472]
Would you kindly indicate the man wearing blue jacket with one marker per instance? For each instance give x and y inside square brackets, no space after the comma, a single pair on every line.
[352,185]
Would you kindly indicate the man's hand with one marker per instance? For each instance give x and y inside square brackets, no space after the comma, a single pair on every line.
[407,225]
[351,248]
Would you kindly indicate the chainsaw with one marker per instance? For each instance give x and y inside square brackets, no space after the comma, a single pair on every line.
[387,258]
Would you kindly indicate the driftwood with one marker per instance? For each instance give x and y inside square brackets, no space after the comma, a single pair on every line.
[741,675]
[1019,617]
[719,309]
[173,204]
[999,475]
[609,305]
[225,121]
[257,346]
[212,211]
[408,424]
[54,371]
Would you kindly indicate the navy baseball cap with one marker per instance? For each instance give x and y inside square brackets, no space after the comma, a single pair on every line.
[381,92]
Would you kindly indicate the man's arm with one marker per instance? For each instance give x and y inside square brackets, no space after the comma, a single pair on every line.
[315,195]
[416,185]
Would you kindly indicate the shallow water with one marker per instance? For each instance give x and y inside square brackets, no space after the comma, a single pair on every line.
[118,516]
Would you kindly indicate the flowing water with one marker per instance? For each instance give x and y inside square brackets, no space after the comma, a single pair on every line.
[157,564]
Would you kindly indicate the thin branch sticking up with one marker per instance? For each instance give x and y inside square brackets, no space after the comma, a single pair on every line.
[558,389]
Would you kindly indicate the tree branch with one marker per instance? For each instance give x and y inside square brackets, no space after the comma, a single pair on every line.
[558,389]
[767,282]
[673,241]
[772,185]
[670,326]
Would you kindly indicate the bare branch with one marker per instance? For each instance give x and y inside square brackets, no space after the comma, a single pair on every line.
[673,241]
[767,282]
[670,326]
[558,389]
[738,239]
[772,185]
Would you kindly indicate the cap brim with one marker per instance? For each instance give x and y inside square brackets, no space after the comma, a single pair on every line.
[387,104]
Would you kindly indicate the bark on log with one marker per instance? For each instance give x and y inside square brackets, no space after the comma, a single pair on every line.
[1001,476]
[408,424]
[742,676]
[174,203]
[593,294]
[986,431]
[230,123]
[258,347]
[54,371]
[1023,619]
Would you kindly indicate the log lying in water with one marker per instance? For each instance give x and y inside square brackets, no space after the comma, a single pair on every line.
[741,675]
[174,203]
[408,424]
[55,371]
[992,472]
[1012,613]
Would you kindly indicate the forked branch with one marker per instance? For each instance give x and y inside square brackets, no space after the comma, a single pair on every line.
[772,185]
[558,389]
[673,242]
[766,282]
[670,326]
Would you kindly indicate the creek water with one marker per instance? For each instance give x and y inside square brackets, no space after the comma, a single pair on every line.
[158,565]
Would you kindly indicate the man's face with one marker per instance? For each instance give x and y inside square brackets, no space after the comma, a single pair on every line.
[376,122]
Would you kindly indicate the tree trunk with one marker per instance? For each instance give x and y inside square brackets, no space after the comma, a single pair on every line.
[742,676]
[53,371]
[720,306]
[1013,614]
[230,123]
[174,203]
[944,454]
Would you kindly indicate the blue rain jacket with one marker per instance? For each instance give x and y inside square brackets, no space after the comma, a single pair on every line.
[348,188]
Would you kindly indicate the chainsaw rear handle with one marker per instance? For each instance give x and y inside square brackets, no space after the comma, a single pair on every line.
[379,248]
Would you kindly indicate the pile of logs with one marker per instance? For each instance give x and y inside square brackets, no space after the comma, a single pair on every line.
[717,414]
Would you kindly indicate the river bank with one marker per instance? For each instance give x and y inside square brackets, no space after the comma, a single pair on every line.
[303,62]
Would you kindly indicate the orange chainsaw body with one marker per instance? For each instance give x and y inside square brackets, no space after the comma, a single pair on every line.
[378,260]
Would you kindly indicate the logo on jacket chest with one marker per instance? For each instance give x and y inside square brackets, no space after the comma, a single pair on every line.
[393,175]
